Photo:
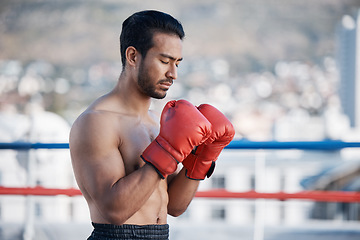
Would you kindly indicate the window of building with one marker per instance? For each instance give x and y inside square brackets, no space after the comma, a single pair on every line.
[218,181]
[38,210]
[218,213]
[38,182]
[72,211]
[252,182]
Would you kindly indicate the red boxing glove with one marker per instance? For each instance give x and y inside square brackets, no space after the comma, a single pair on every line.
[182,127]
[201,162]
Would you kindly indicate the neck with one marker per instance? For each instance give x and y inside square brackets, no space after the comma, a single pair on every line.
[129,95]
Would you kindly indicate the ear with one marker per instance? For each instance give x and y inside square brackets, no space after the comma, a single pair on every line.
[132,56]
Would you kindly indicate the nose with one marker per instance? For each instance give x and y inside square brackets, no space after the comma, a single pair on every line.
[172,72]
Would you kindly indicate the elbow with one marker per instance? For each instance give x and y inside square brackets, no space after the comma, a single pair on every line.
[114,215]
[175,214]
[115,219]
[176,211]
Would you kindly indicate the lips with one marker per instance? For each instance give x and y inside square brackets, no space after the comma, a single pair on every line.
[166,83]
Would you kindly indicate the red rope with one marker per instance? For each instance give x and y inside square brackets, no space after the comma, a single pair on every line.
[322,196]
[39,191]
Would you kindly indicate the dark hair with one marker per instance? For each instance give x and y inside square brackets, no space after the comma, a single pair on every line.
[139,28]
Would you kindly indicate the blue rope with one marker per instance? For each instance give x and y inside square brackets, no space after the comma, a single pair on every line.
[302,145]
[329,145]
[28,146]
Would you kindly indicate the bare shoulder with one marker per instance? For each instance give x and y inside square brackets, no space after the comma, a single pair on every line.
[96,124]
[93,123]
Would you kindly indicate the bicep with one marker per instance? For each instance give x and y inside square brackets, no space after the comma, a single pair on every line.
[97,161]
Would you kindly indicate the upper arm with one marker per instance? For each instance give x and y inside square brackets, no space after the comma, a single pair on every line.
[96,158]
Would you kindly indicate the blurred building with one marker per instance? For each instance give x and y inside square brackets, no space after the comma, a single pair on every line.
[348,56]
[47,168]
[269,172]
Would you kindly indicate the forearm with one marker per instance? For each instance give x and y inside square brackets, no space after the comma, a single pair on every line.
[126,196]
[181,191]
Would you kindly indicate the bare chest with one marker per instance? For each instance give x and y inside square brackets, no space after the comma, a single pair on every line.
[134,139]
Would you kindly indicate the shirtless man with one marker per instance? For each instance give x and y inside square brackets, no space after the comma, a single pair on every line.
[125,163]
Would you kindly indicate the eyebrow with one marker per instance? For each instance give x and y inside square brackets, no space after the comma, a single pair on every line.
[170,57]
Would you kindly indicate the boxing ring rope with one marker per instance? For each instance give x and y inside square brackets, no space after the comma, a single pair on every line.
[324,196]
[236,144]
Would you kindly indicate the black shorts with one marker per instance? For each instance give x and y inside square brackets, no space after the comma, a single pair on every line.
[127,231]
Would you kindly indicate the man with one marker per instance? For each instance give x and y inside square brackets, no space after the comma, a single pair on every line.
[125,165]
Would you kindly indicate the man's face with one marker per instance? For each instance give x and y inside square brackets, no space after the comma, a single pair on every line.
[159,67]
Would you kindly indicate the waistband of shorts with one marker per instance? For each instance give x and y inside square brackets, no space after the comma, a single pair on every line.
[129,231]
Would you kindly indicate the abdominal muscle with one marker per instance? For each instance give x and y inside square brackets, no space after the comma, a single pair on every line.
[154,211]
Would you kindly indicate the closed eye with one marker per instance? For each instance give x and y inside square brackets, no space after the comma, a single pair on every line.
[166,56]
[164,62]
